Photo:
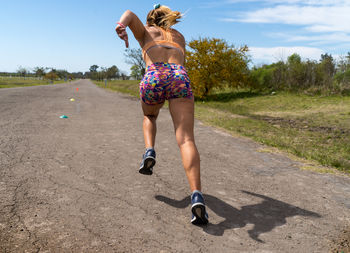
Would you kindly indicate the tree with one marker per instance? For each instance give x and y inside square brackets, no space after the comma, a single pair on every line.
[77,75]
[326,70]
[136,72]
[342,76]
[263,78]
[328,64]
[343,63]
[296,72]
[113,72]
[93,68]
[22,71]
[39,71]
[212,63]
[102,74]
[52,75]
[93,74]
[134,57]
[61,73]
[124,76]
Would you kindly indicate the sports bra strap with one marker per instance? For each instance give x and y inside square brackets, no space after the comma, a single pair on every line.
[166,35]
[166,41]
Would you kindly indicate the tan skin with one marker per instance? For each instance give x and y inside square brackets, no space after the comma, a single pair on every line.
[181,109]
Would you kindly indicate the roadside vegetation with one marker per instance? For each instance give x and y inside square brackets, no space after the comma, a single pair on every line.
[323,77]
[11,82]
[36,76]
[130,87]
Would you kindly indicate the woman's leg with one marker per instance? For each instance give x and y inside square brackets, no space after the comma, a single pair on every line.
[182,113]
[150,113]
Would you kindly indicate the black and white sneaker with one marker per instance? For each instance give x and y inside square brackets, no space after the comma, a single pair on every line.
[199,214]
[148,161]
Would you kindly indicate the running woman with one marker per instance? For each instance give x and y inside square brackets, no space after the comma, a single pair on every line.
[166,79]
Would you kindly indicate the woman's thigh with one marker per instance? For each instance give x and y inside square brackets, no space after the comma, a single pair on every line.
[182,113]
[151,110]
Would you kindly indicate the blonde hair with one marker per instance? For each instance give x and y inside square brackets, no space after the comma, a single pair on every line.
[163,17]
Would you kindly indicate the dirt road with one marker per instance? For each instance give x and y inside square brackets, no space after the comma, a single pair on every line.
[72,185]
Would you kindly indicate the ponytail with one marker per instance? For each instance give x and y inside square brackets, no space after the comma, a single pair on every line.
[163,17]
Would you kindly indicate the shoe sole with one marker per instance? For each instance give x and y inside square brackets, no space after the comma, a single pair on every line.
[148,164]
[198,211]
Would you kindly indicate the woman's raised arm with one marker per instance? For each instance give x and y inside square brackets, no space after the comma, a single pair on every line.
[130,19]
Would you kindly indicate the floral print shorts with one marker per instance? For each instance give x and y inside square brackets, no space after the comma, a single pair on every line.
[164,81]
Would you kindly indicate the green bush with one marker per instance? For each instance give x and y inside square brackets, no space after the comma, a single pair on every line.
[323,77]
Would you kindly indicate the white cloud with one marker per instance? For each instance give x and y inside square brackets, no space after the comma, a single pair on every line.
[314,18]
[312,38]
[319,21]
[274,54]
[304,2]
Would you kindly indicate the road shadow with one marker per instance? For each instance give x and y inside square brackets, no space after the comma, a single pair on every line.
[265,216]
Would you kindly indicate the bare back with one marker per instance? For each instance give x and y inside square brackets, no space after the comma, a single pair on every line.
[162,54]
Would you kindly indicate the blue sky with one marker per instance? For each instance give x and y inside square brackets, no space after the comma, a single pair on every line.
[76,34]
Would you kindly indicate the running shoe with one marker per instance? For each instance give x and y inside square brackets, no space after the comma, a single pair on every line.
[148,161]
[199,214]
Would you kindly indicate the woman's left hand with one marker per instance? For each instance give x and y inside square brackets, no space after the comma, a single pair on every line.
[121,31]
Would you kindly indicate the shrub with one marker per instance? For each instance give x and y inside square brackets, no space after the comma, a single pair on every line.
[212,63]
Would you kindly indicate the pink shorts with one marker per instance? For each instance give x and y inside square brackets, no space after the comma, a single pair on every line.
[164,81]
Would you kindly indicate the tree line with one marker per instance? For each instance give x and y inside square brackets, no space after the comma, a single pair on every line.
[132,57]
[44,73]
[101,73]
[95,72]
[326,75]
[214,64]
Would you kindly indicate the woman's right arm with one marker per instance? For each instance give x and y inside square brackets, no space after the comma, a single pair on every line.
[138,29]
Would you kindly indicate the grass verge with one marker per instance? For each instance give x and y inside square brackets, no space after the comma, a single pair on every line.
[130,87]
[11,82]
[315,128]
